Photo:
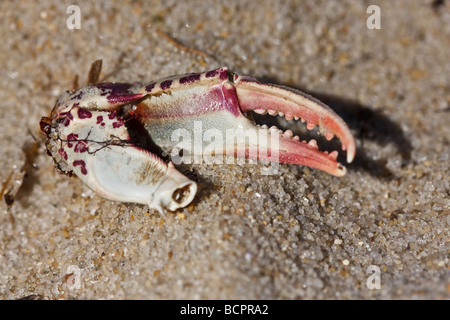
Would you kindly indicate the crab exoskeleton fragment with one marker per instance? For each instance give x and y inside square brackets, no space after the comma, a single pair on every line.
[94,132]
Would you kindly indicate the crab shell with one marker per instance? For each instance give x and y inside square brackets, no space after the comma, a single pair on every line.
[97,132]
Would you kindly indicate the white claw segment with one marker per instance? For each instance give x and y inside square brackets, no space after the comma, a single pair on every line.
[132,175]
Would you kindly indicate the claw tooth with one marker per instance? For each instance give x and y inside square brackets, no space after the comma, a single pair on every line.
[302,120]
[296,118]
[260,111]
[329,136]
[333,155]
[272,112]
[297,138]
[313,143]
[289,116]
[288,133]
[281,114]
[304,141]
[310,125]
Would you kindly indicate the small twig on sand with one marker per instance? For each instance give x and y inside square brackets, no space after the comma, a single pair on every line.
[94,72]
[181,46]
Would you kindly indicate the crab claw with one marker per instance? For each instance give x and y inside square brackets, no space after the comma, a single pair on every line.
[212,104]
[95,132]
[294,104]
